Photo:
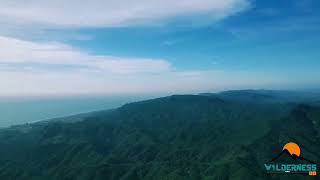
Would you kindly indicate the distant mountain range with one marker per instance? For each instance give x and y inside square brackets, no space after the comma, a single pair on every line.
[228,135]
[269,96]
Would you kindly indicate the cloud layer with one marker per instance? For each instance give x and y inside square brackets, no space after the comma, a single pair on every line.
[106,13]
[50,68]
[16,52]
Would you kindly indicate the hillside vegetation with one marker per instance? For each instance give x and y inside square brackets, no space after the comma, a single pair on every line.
[228,135]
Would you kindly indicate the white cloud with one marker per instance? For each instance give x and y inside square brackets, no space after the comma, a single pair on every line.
[103,13]
[33,68]
[38,68]
[15,51]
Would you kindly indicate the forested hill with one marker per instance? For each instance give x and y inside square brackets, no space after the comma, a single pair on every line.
[207,136]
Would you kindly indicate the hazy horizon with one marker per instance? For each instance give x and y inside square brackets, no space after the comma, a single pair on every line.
[20,110]
[15,111]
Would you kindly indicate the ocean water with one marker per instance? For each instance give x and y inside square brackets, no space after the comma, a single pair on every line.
[14,110]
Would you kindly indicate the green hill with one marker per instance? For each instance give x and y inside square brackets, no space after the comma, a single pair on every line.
[176,137]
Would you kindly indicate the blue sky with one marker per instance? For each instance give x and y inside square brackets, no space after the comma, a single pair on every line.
[157,47]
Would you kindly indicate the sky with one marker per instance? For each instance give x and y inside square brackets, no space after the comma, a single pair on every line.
[121,47]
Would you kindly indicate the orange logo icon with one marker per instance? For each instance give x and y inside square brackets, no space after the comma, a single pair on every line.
[293,149]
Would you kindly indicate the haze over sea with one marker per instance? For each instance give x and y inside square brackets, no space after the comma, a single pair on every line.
[14,110]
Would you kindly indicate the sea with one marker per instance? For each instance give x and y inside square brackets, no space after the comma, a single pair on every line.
[22,110]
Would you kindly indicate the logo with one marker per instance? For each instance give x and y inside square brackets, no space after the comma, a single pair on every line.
[300,164]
